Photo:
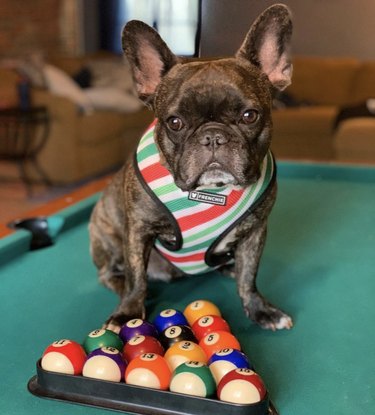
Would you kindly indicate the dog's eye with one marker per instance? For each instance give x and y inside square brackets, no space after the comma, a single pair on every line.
[249,116]
[175,123]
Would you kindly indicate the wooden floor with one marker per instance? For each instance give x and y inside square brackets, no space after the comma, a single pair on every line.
[17,202]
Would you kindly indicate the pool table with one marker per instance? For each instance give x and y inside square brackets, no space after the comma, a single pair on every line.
[318,265]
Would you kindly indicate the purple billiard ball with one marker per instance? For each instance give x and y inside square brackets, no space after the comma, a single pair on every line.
[105,363]
[226,360]
[169,317]
[136,327]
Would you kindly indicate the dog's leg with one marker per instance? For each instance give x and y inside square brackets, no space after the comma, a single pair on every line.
[248,254]
[136,249]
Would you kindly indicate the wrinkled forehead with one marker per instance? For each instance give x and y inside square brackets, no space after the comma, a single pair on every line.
[224,83]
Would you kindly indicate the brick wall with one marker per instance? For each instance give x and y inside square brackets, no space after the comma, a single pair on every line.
[30,25]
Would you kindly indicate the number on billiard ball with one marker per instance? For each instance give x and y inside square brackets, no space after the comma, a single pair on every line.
[64,356]
[174,334]
[169,317]
[193,378]
[149,370]
[137,327]
[200,308]
[241,386]
[140,344]
[102,338]
[106,364]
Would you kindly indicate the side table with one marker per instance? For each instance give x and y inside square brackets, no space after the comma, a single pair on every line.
[23,134]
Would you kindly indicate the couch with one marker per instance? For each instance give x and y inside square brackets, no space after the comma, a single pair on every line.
[321,89]
[84,141]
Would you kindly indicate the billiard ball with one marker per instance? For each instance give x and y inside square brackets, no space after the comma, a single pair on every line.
[200,308]
[140,344]
[135,327]
[207,324]
[241,386]
[217,340]
[182,352]
[105,363]
[169,317]
[225,360]
[64,356]
[174,334]
[149,370]
[193,378]
[102,338]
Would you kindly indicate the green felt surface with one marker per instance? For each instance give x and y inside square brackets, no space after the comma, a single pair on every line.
[318,266]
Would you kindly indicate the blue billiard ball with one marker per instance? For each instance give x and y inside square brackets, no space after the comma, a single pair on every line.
[169,317]
[226,360]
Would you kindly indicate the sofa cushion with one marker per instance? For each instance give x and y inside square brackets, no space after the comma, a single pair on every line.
[364,83]
[324,81]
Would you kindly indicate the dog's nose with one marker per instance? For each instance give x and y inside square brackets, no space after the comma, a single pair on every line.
[213,138]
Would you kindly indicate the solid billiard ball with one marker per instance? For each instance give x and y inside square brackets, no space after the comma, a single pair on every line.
[149,370]
[140,344]
[169,317]
[217,340]
[193,378]
[207,324]
[105,363]
[226,360]
[182,352]
[174,334]
[200,308]
[136,327]
[241,386]
[102,338]
[64,356]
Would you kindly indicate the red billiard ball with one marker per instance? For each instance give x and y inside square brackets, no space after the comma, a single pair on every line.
[241,386]
[226,360]
[200,308]
[169,317]
[207,324]
[217,340]
[102,338]
[105,363]
[193,378]
[64,356]
[137,327]
[174,334]
[149,370]
[182,352]
[140,344]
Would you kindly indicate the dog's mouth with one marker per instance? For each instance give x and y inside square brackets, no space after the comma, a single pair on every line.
[216,176]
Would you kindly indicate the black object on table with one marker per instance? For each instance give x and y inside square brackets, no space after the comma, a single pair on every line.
[23,134]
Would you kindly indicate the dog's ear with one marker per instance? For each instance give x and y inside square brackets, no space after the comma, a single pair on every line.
[149,57]
[267,45]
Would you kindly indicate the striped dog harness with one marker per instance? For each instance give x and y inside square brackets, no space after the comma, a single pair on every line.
[201,218]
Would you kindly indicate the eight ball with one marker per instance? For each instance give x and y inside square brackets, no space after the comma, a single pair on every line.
[174,334]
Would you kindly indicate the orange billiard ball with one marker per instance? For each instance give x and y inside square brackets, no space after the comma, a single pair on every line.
[217,340]
[182,352]
[64,356]
[241,386]
[200,308]
[149,370]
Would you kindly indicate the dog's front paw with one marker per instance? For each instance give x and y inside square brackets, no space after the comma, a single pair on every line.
[268,317]
[118,319]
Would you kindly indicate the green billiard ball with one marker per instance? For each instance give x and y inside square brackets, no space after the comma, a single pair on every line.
[102,338]
[193,378]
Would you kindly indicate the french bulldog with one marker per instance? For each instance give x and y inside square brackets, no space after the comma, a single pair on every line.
[211,138]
